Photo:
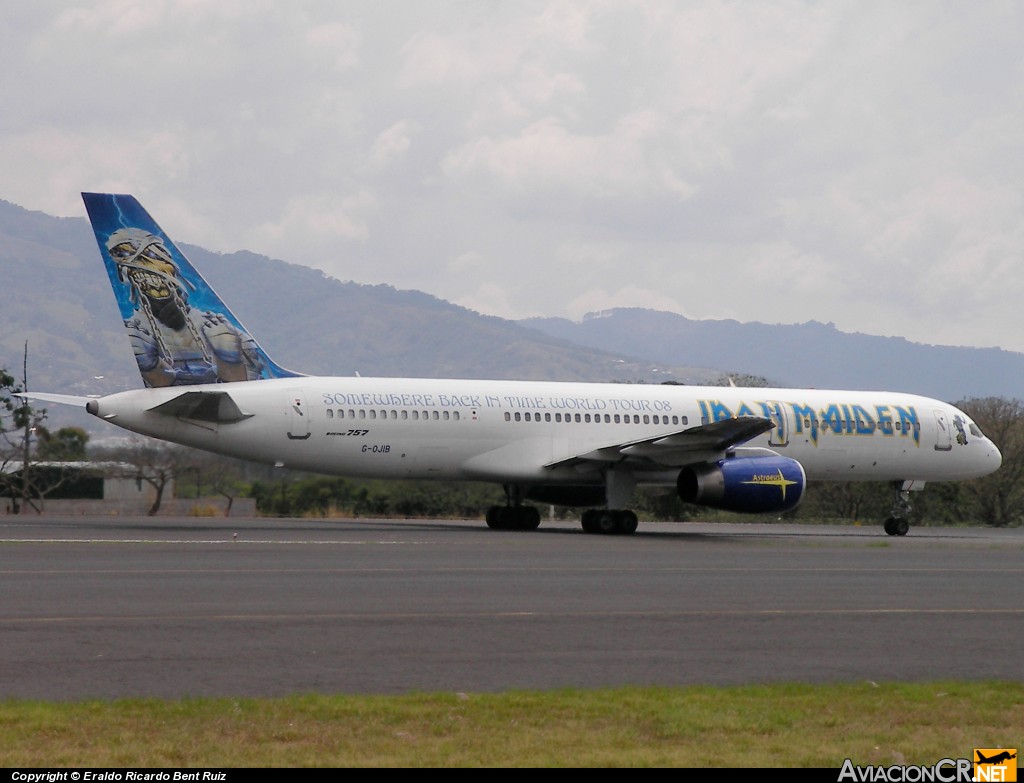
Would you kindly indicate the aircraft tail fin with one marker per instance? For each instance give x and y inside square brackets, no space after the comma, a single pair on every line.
[181,331]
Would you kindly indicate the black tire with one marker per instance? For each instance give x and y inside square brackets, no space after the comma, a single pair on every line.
[529,518]
[901,528]
[889,529]
[501,518]
[627,523]
[589,521]
[607,522]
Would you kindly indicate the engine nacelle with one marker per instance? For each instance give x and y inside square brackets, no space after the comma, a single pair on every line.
[748,484]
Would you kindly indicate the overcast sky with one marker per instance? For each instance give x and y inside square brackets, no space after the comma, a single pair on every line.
[854,162]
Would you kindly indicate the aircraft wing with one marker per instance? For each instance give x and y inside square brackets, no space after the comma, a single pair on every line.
[696,444]
[213,406]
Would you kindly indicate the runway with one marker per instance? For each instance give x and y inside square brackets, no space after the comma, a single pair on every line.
[115,607]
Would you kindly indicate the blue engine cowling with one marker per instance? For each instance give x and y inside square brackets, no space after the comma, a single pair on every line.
[748,484]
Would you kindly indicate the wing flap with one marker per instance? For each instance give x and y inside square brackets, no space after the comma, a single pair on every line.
[216,407]
[696,444]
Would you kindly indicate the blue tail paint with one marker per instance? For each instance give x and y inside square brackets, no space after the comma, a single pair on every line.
[180,330]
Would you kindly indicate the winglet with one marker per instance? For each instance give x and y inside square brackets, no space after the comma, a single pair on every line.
[181,331]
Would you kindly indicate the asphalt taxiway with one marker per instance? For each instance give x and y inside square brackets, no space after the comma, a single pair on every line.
[117,607]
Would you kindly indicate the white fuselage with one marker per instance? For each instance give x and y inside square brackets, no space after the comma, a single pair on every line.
[519,431]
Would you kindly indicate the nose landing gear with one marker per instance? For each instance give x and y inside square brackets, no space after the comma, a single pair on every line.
[898,523]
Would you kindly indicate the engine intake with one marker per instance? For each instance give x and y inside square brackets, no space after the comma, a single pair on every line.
[746,484]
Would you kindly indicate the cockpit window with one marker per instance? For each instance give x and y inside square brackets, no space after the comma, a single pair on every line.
[975,430]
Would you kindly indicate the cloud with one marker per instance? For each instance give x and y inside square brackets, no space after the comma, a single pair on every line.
[847,162]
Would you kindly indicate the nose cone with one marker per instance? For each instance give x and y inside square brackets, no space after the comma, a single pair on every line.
[986,459]
[995,457]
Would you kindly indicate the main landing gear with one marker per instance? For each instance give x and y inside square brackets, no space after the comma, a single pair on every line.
[609,521]
[513,515]
[898,524]
[513,518]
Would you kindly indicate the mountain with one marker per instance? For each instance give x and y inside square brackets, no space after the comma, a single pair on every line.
[811,354]
[56,296]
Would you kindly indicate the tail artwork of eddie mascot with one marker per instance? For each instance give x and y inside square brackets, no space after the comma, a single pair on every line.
[181,332]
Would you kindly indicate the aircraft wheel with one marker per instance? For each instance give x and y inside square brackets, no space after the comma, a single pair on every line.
[607,522]
[528,518]
[494,517]
[627,523]
[589,521]
[890,526]
[901,527]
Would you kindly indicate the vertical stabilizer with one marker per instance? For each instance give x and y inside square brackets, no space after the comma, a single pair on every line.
[180,330]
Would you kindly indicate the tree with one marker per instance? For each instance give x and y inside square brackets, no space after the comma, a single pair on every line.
[741,379]
[996,499]
[19,421]
[212,474]
[154,462]
[8,449]
[68,444]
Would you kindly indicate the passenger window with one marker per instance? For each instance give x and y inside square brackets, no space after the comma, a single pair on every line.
[508,416]
[405,415]
[362,413]
[636,418]
[455,415]
[518,416]
[446,415]
[547,417]
[558,417]
[436,417]
[373,414]
[617,421]
[647,419]
[577,418]
[330,414]
[586,418]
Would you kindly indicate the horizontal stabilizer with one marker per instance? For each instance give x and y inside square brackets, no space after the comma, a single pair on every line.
[213,406]
[63,399]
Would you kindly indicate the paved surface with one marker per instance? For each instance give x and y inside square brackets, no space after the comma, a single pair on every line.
[125,607]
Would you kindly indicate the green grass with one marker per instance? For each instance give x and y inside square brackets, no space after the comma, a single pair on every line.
[761,726]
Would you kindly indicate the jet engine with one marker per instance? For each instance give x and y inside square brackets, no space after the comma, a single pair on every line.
[747,484]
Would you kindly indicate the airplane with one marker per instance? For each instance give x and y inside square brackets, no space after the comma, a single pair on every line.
[996,759]
[209,384]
